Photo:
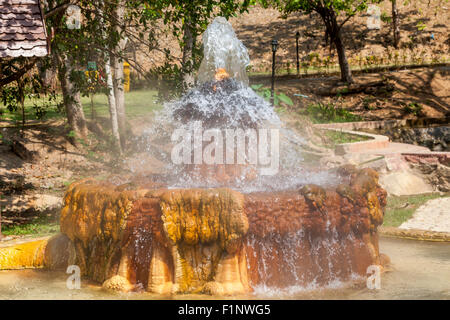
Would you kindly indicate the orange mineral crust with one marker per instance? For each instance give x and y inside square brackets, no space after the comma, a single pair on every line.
[314,235]
[219,241]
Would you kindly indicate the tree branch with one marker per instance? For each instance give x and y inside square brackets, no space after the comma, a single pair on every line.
[61,7]
[18,74]
[350,15]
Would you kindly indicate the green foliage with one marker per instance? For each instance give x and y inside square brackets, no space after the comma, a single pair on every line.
[10,97]
[344,7]
[68,183]
[385,17]
[196,13]
[284,99]
[99,34]
[421,26]
[367,103]
[278,98]
[71,134]
[413,108]
[326,112]
[42,106]
[27,88]
[168,78]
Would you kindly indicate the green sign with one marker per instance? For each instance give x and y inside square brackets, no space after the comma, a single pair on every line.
[92,66]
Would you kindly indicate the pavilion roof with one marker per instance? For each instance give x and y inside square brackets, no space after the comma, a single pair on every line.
[22,29]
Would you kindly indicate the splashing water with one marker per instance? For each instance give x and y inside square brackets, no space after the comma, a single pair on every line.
[223,50]
[223,100]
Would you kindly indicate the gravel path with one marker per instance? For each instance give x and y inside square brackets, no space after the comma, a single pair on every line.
[434,215]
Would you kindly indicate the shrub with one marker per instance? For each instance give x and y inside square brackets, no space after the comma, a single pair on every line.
[278,98]
[326,112]
[413,108]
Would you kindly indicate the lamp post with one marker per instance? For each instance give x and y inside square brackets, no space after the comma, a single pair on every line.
[297,36]
[274,50]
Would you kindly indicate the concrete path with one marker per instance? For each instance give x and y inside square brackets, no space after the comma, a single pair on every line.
[434,215]
[396,148]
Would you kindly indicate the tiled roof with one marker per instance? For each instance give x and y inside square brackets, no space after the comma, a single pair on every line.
[22,30]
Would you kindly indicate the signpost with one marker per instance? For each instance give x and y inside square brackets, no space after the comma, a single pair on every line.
[297,36]
[274,50]
[126,76]
[92,75]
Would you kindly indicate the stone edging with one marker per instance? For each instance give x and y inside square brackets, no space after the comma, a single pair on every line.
[371,125]
[358,125]
[376,142]
[432,157]
[414,234]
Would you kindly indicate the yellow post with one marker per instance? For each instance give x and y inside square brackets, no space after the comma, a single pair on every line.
[23,256]
[126,76]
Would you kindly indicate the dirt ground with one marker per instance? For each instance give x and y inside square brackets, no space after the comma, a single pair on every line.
[33,181]
[259,26]
[428,87]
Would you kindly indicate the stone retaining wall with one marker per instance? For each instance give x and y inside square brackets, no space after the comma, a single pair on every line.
[414,234]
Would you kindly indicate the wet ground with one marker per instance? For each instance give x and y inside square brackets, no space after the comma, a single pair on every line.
[420,270]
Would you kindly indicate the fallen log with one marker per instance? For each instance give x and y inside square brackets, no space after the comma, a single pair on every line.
[368,87]
[22,151]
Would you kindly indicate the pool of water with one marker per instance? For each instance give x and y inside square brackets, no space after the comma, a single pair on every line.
[419,270]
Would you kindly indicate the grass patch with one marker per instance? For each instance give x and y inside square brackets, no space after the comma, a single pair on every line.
[337,137]
[68,183]
[399,209]
[137,104]
[39,227]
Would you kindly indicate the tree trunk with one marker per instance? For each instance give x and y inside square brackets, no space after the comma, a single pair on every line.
[91,95]
[346,74]
[20,87]
[1,209]
[395,23]
[119,92]
[46,74]
[334,32]
[71,98]
[111,93]
[112,104]
[187,60]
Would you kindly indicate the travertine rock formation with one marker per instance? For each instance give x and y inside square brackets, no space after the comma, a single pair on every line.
[215,241]
[168,241]
[315,235]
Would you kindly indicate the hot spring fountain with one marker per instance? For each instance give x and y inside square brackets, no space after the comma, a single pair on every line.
[236,209]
